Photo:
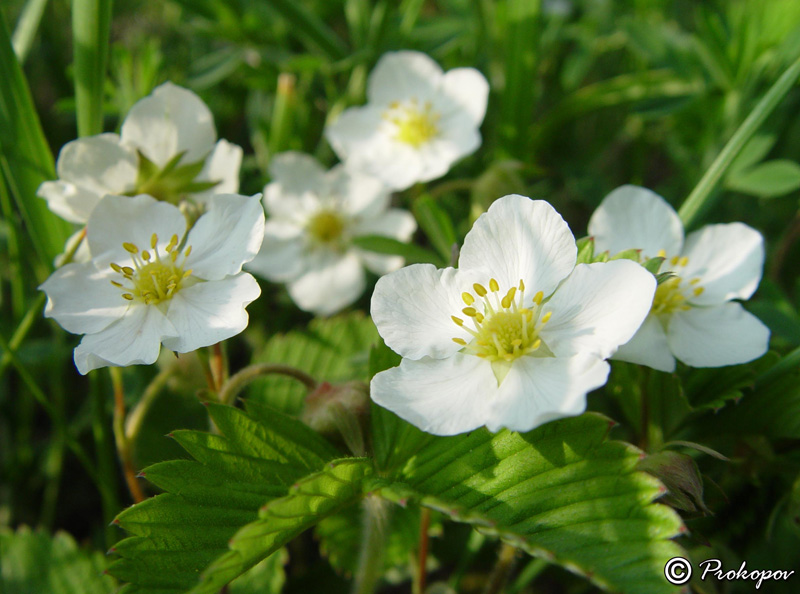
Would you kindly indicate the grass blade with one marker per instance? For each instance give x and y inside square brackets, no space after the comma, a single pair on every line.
[91,23]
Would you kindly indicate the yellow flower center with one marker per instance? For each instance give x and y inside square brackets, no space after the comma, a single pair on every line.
[674,293]
[415,125]
[153,279]
[506,329]
[326,227]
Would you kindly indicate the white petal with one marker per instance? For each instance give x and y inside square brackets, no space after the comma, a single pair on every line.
[70,202]
[282,256]
[222,166]
[118,219]
[631,217]
[398,165]
[89,168]
[648,347]
[380,264]
[210,312]
[540,389]
[395,223]
[715,336]
[412,309]
[355,131]
[728,259]
[135,339]
[82,299]
[520,239]
[226,236]
[402,75]
[330,283]
[297,173]
[168,121]
[468,89]
[598,307]
[440,396]
[360,195]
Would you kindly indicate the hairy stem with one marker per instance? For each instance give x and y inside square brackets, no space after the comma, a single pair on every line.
[238,381]
[122,442]
[373,542]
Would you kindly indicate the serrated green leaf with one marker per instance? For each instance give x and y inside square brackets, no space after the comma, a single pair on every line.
[767,180]
[562,492]
[436,224]
[257,458]
[412,253]
[33,562]
[317,496]
[332,350]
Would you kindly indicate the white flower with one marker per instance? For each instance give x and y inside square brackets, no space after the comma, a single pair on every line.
[314,215]
[417,123]
[692,317]
[515,336]
[150,283]
[166,149]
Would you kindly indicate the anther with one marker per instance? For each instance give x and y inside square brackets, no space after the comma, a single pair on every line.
[674,260]
[698,291]
[546,317]
[537,343]
[470,311]
[661,253]
[153,241]
[537,299]
[494,286]
[130,248]
[146,256]
[521,285]
[458,321]
[116,268]
[467,298]
[127,271]
[116,284]
[188,251]
[127,296]
[460,341]
[479,289]
[683,261]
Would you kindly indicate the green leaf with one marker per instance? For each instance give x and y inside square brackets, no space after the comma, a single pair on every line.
[767,180]
[25,158]
[680,476]
[412,253]
[756,149]
[333,350]
[436,224]
[630,254]
[32,562]
[268,577]
[562,492]
[585,250]
[340,537]
[317,496]
[309,27]
[257,458]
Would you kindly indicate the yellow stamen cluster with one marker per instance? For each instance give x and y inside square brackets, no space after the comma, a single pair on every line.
[506,329]
[326,227]
[675,293]
[154,279]
[415,125]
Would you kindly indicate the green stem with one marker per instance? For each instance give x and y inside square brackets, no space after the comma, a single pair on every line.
[238,381]
[135,420]
[373,542]
[506,559]
[120,439]
[701,197]
[105,464]
[422,562]
[91,25]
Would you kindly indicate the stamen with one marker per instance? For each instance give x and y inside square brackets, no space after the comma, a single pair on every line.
[131,248]
[546,317]
[458,321]
[467,298]
[479,289]
[460,341]
[153,241]
[661,254]
[470,311]
[683,261]
[493,285]
[537,299]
